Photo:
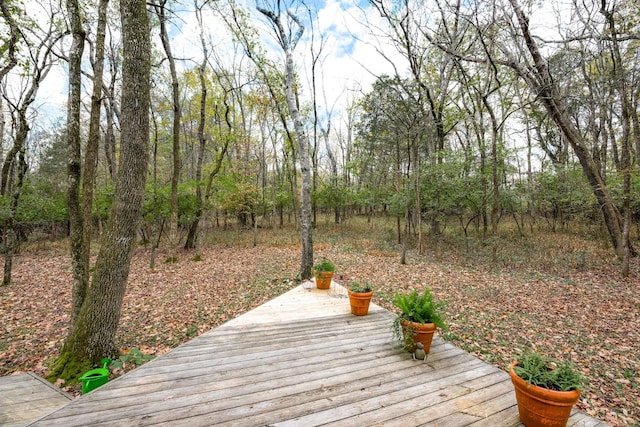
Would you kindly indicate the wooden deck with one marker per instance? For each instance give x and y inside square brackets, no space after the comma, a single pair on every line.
[303,360]
[25,397]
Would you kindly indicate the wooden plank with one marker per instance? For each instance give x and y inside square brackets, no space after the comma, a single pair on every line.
[441,384]
[580,419]
[458,419]
[301,360]
[506,418]
[428,407]
[283,402]
[26,397]
[497,404]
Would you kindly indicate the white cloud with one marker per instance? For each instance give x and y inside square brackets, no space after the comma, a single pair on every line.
[351,60]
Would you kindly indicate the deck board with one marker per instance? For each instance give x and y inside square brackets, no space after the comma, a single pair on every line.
[303,360]
[25,397]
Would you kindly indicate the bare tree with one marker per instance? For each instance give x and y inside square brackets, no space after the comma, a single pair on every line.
[624,245]
[161,11]
[407,21]
[12,42]
[288,34]
[520,52]
[194,236]
[80,209]
[272,78]
[539,78]
[40,43]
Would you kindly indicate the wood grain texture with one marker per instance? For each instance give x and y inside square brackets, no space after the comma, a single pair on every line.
[303,360]
[25,397]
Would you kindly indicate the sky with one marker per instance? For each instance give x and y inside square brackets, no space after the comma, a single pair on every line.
[351,58]
[350,61]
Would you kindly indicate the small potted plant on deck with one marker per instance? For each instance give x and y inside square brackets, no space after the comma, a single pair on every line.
[323,272]
[546,389]
[419,316]
[360,294]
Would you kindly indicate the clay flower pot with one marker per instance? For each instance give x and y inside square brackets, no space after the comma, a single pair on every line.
[323,272]
[359,302]
[417,332]
[541,407]
[323,279]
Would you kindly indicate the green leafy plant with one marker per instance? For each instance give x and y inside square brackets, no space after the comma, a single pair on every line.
[418,308]
[324,266]
[360,287]
[549,373]
[134,357]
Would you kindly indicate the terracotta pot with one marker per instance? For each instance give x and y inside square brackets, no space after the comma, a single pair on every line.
[323,280]
[422,332]
[541,407]
[360,302]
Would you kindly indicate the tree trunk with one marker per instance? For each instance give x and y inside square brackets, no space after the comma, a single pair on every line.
[495,205]
[621,84]
[288,41]
[2,125]
[10,44]
[547,90]
[80,266]
[306,232]
[93,142]
[192,235]
[11,238]
[334,169]
[93,335]
[175,132]
[110,142]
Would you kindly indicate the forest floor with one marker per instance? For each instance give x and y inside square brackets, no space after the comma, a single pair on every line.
[558,293]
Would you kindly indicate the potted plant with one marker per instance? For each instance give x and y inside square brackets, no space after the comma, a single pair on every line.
[359,298]
[418,319]
[546,389]
[323,272]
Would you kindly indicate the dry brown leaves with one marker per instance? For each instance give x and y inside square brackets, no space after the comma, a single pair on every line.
[587,315]
[591,318]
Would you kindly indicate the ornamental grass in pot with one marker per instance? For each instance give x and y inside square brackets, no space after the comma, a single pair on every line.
[360,294]
[546,389]
[323,273]
[419,317]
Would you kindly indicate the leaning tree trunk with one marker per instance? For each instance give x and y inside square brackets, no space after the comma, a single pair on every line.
[542,82]
[93,335]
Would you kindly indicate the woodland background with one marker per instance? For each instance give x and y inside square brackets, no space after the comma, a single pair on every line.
[498,161]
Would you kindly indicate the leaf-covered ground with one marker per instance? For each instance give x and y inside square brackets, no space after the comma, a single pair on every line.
[558,294]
